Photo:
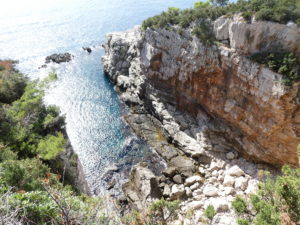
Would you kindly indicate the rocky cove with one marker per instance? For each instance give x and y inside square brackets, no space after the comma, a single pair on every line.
[215,116]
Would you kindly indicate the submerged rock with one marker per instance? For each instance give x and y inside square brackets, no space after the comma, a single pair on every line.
[88,49]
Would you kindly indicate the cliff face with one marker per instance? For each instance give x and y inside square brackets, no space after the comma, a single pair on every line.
[245,101]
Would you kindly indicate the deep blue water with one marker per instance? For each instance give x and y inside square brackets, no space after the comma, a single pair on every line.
[30,30]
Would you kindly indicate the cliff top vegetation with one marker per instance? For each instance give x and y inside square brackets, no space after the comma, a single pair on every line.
[280,11]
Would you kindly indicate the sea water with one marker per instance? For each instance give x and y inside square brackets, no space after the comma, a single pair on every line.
[33,29]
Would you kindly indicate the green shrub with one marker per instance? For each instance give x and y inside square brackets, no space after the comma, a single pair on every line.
[276,198]
[281,11]
[210,212]
[201,4]
[11,86]
[2,68]
[288,187]
[6,153]
[50,147]
[163,211]
[241,221]
[204,32]
[239,204]
[281,62]
[23,174]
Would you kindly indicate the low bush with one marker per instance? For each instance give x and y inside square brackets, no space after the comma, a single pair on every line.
[210,212]
[277,199]
[239,205]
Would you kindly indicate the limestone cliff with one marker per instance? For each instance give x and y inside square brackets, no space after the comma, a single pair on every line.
[246,102]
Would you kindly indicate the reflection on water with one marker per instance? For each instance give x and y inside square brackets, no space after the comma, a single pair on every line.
[30,30]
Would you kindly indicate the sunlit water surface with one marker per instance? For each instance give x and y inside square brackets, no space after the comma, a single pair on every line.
[30,30]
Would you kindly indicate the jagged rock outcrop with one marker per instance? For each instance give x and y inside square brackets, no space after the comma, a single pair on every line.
[244,102]
[141,187]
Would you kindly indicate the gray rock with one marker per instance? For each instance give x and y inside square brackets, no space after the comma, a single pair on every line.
[235,171]
[241,183]
[167,191]
[230,156]
[191,180]
[228,181]
[183,164]
[59,58]
[188,191]
[169,171]
[195,186]
[169,152]
[177,191]
[210,191]
[178,179]
[142,185]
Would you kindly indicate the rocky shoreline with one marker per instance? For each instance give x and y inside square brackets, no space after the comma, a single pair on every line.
[206,161]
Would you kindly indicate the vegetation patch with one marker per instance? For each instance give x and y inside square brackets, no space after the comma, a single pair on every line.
[284,63]
[281,11]
[277,201]
[32,137]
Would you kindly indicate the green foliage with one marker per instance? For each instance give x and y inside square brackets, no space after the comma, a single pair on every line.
[276,198]
[12,86]
[281,11]
[29,192]
[2,68]
[288,187]
[36,206]
[6,153]
[239,205]
[27,121]
[204,32]
[281,62]
[163,211]
[23,174]
[241,221]
[201,4]
[49,147]
[210,212]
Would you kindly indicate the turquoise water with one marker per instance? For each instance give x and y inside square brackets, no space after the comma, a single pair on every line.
[30,30]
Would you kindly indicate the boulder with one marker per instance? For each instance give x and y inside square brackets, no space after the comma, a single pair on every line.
[178,179]
[191,180]
[221,28]
[88,49]
[141,186]
[235,171]
[183,164]
[188,191]
[59,58]
[210,191]
[167,191]
[177,191]
[228,181]
[230,156]
[194,186]
[169,171]
[241,183]
[252,187]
